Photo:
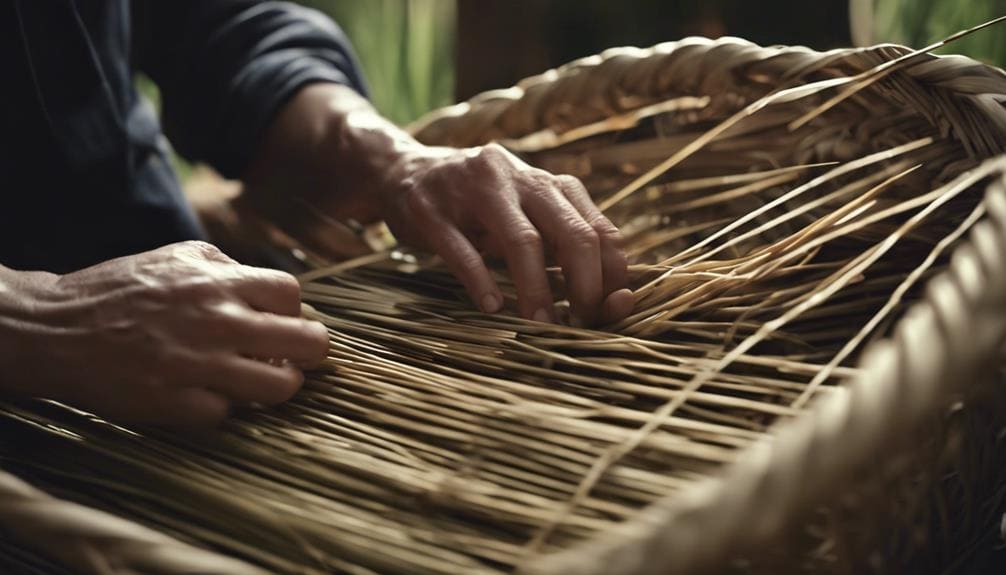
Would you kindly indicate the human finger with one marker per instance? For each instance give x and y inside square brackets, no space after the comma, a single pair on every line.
[618,305]
[575,245]
[231,326]
[524,252]
[265,289]
[458,253]
[613,260]
[242,379]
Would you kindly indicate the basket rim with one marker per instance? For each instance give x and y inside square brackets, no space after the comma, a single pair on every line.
[813,450]
[770,478]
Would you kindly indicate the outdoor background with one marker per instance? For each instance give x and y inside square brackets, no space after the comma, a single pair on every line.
[421,54]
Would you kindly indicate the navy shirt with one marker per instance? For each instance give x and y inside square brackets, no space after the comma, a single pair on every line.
[84,168]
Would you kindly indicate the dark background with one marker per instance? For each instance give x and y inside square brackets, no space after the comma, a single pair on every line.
[423,54]
[501,41]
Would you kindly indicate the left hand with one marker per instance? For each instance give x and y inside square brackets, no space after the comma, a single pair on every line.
[330,150]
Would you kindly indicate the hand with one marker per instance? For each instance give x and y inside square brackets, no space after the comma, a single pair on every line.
[173,336]
[455,202]
[330,150]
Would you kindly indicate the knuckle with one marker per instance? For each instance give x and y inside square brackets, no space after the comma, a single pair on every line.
[468,262]
[220,322]
[581,235]
[569,182]
[525,238]
[606,230]
[199,248]
[225,311]
[540,189]
[319,335]
[487,158]
[286,285]
[285,386]
[492,150]
[416,200]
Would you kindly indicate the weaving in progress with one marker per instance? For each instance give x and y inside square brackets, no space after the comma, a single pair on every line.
[817,246]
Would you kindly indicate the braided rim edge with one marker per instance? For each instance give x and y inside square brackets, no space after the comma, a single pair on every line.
[620,80]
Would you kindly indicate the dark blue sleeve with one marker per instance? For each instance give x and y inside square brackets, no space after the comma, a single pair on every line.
[224,68]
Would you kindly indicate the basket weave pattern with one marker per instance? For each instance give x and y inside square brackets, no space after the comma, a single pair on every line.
[778,234]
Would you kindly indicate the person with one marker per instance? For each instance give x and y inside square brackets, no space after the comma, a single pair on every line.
[110,300]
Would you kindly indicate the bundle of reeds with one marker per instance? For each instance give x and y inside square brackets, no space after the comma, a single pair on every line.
[787,210]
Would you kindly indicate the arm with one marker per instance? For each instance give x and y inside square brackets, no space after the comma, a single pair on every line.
[272,93]
[163,337]
[330,149]
[224,68]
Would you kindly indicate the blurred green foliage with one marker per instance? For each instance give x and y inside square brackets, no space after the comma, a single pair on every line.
[406,48]
[918,23]
[149,89]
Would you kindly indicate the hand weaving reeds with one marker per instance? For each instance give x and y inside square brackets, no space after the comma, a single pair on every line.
[784,207]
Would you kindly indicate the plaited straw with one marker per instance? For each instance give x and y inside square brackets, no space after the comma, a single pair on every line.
[946,344]
[721,76]
[778,231]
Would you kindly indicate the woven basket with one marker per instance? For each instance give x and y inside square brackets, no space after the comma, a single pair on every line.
[714,431]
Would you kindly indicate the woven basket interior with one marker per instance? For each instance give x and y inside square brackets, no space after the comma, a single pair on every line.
[775,232]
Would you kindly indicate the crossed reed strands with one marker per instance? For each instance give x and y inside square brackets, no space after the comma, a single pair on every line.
[437,439]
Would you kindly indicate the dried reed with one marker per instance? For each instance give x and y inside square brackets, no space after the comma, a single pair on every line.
[777,228]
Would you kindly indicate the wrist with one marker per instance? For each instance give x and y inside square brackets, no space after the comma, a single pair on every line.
[20,291]
[329,148]
[375,158]
[23,298]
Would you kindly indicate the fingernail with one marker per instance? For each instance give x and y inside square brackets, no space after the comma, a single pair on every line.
[490,303]
[542,315]
[618,305]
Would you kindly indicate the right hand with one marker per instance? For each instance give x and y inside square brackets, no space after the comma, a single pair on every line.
[173,336]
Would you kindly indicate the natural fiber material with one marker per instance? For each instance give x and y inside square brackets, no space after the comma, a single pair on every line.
[96,542]
[948,343]
[779,231]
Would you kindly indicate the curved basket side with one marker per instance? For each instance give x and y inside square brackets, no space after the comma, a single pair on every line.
[944,345]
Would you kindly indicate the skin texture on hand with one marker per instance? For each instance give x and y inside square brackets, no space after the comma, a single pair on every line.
[174,336]
[328,149]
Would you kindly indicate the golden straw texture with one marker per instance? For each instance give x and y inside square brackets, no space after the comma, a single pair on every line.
[947,342]
[778,232]
[94,541]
